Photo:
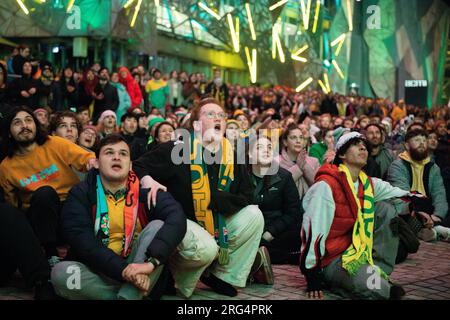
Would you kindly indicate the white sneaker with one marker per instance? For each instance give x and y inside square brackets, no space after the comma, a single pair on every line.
[427,235]
[443,233]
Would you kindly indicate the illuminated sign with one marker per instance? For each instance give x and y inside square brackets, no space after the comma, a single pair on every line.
[416,83]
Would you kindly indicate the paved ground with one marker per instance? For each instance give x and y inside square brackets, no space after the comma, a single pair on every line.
[425,275]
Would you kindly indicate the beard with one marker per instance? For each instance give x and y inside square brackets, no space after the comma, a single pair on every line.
[417,155]
[25,143]
[374,145]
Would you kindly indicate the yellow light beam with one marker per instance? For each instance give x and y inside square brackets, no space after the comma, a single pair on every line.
[304,84]
[278,4]
[234,32]
[340,38]
[350,16]
[301,50]
[208,9]
[250,21]
[157,3]
[254,65]
[23,6]
[296,55]
[327,82]
[251,62]
[136,12]
[238,35]
[297,58]
[338,69]
[276,44]
[324,89]
[302,4]
[70,5]
[338,49]
[129,3]
[308,12]
[280,51]
[340,42]
[316,16]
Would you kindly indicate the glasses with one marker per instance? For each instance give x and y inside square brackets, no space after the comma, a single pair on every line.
[213,115]
[89,133]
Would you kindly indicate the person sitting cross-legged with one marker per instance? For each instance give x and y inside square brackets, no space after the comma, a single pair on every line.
[417,172]
[224,228]
[120,244]
[346,239]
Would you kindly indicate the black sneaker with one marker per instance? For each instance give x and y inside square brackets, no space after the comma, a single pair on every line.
[219,285]
[397,292]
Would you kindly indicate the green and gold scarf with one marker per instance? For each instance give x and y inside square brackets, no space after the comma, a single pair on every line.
[360,251]
[213,222]
[101,224]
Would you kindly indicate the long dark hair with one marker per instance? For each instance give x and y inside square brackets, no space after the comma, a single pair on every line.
[5,73]
[249,147]
[9,144]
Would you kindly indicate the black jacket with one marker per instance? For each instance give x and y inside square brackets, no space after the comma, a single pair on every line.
[77,223]
[50,95]
[69,99]
[328,105]
[177,178]
[110,99]
[137,145]
[372,168]
[24,84]
[279,202]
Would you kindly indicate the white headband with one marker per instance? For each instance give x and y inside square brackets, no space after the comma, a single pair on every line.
[345,138]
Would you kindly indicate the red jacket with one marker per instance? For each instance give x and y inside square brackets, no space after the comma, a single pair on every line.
[341,231]
[133,89]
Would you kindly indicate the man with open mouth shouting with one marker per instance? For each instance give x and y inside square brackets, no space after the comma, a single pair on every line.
[120,244]
[223,228]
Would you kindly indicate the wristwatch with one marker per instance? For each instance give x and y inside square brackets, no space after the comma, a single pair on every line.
[153,261]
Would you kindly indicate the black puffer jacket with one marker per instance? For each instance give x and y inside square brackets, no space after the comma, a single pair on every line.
[77,223]
[279,202]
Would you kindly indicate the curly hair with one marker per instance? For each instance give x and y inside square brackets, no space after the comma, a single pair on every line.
[9,144]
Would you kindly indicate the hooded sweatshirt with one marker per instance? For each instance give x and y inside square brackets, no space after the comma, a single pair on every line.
[133,89]
[417,168]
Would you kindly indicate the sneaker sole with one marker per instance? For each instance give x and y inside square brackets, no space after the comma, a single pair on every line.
[265,258]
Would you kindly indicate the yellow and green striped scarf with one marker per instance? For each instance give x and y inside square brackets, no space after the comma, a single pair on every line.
[213,222]
[360,251]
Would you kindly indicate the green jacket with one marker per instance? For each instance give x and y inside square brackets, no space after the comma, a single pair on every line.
[318,150]
[399,175]
[384,160]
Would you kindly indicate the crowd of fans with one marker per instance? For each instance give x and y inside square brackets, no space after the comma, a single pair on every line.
[344,163]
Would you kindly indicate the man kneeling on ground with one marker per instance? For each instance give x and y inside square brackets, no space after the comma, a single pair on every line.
[120,242]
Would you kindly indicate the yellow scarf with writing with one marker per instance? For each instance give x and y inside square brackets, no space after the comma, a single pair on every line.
[360,251]
[213,222]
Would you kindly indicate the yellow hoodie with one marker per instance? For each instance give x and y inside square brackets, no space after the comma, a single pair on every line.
[417,168]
